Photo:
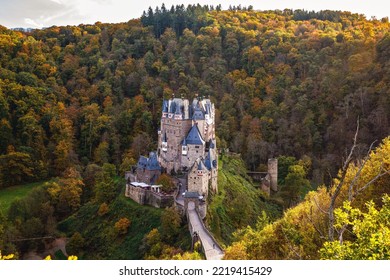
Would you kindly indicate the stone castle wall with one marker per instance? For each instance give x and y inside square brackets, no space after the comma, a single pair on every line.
[176,131]
[194,152]
[198,183]
[136,194]
[147,197]
[213,178]
[146,176]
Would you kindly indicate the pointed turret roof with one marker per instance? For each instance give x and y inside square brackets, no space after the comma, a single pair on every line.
[201,165]
[211,144]
[150,163]
[208,160]
[153,162]
[194,137]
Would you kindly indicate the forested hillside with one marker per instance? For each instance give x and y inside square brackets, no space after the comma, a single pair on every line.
[285,83]
[81,103]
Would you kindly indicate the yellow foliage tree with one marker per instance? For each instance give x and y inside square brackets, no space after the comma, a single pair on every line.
[122,225]
[6,257]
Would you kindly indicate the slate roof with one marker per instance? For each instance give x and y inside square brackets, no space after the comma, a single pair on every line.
[210,161]
[191,195]
[197,109]
[194,137]
[142,162]
[211,144]
[150,163]
[201,165]
[165,106]
[198,114]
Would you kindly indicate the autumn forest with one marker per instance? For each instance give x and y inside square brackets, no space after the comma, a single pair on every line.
[80,104]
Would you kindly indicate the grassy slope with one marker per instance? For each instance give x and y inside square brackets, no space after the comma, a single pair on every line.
[101,240]
[237,203]
[8,195]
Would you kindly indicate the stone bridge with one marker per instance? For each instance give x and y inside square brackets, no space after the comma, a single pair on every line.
[198,231]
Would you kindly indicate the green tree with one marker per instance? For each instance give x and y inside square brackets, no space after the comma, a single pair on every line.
[106,187]
[15,168]
[167,183]
[75,244]
[296,183]
[170,224]
[65,195]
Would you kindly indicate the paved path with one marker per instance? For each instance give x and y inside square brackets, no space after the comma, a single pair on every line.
[211,249]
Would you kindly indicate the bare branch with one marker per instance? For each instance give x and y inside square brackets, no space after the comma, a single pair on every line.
[349,158]
[371,182]
[291,247]
[336,193]
[341,232]
[357,175]
[319,207]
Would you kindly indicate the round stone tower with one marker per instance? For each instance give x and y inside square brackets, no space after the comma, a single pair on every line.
[273,173]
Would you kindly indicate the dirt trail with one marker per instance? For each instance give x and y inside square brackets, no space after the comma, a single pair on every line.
[51,248]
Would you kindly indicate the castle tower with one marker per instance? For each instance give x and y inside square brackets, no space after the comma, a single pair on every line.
[187,141]
[198,178]
[194,147]
[273,173]
[212,165]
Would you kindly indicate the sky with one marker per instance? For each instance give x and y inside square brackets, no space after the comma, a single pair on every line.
[46,13]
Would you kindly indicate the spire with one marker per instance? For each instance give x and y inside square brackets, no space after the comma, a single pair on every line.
[201,165]
[152,162]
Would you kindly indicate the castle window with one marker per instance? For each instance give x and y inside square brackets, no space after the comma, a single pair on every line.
[196,147]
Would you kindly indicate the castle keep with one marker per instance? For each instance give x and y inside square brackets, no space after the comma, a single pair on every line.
[187,143]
